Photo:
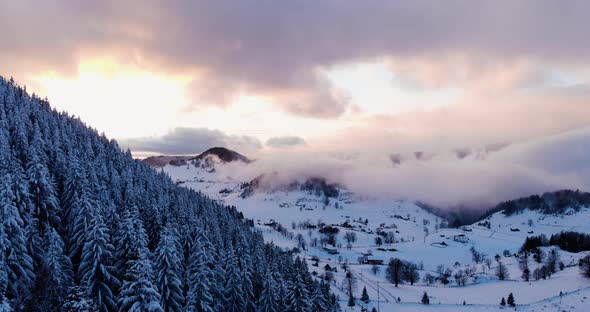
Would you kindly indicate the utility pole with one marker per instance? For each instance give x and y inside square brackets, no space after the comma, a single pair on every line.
[378,305]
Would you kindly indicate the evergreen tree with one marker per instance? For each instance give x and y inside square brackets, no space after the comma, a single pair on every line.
[42,194]
[138,293]
[268,301]
[297,295]
[130,239]
[82,218]
[3,273]
[425,299]
[503,302]
[200,278]
[351,302]
[17,268]
[56,274]
[169,272]
[78,301]
[510,300]
[234,293]
[95,271]
[318,300]
[365,295]
[5,305]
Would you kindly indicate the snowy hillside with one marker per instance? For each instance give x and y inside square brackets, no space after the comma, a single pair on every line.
[85,227]
[350,233]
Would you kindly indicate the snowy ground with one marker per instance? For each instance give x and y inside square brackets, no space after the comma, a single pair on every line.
[418,238]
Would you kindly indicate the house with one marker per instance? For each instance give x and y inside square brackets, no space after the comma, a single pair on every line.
[407,218]
[514,229]
[461,238]
[466,229]
[332,251]
[272,223]
[370,260]
[328,268]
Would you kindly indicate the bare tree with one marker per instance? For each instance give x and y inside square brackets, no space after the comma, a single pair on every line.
[350,237]
[375,269]
[460,278]
[585,266]
[501,271]
[394,271]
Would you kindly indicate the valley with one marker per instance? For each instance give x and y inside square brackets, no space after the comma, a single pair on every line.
[348,239]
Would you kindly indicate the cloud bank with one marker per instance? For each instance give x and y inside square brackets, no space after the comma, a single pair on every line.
[520,69]
[285,141]
[188,141]
[278,49]
[483,178]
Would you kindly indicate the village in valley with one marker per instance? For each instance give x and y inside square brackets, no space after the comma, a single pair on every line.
[386,254]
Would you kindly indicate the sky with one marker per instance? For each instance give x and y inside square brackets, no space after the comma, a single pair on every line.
[341,84]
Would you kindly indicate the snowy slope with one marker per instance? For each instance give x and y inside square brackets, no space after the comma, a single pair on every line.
[418,236]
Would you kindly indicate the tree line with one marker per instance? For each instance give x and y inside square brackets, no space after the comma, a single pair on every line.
[85,227]
[567,240]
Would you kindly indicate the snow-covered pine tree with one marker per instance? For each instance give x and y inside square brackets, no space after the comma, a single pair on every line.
[297,295]
[269,300]
[130,239]
[78,301]
[56,274]
[246,273]
[138,293]
[96,271]
[234,293]
[169,271]
[82,214]
[200,277]
[318,301]
[17,263]
[5,305]
[42,194]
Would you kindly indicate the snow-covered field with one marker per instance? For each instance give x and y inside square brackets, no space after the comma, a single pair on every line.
[418,236]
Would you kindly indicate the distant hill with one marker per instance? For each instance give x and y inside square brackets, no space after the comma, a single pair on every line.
[207,158]
[557,202]
[549,203]
[315,185]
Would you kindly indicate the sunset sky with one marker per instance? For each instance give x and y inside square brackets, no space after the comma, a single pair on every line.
[331,77]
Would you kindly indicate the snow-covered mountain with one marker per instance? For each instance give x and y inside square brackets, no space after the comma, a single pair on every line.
[332,226]
[207,159]
[85,227]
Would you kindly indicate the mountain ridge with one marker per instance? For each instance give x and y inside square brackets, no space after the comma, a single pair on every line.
[224,155]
